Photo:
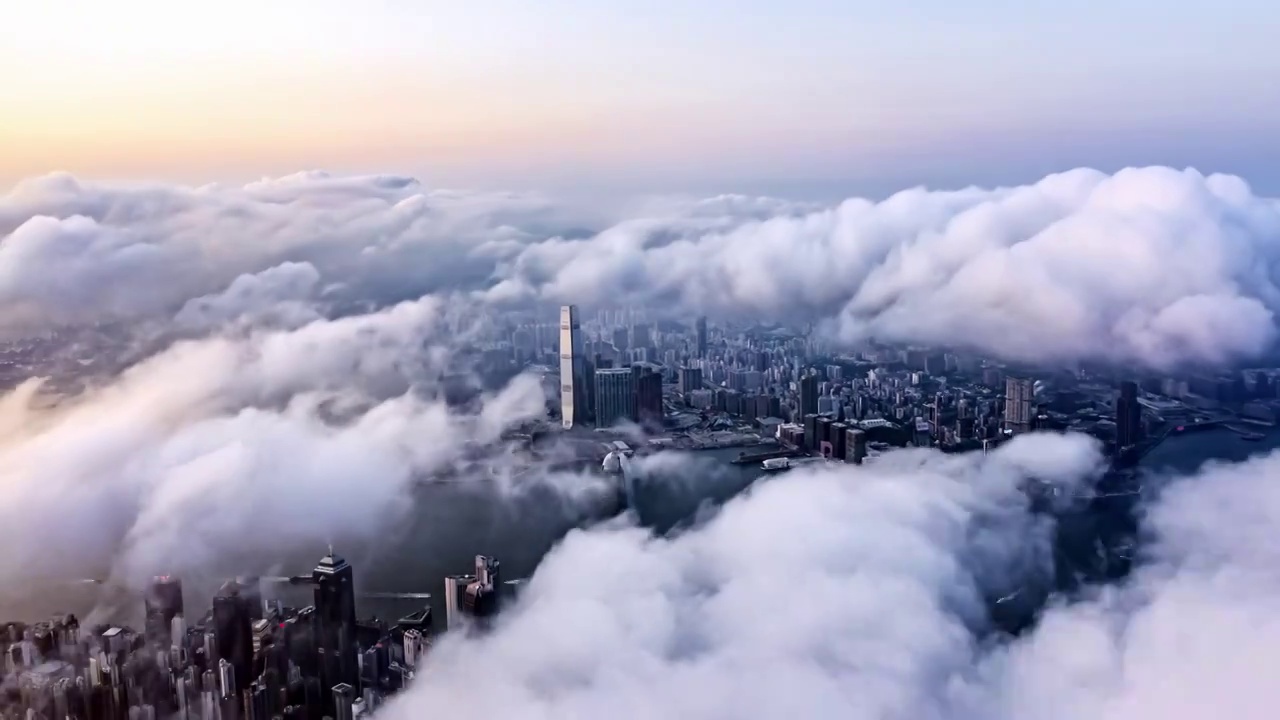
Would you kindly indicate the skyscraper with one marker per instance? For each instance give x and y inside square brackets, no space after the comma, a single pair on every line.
[690,379]
[701,331]
[233,633]
[649,396]
[1128,415]
[163,602]
[615,396]
[481,596]
[476,596]
[1018,393]
[855,445]
[640,337]
[573,395]
[335,602]
[620,339]
[808,395]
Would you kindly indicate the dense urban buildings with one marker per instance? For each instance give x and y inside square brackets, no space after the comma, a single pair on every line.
[245,659]
[784,397]
[774,384]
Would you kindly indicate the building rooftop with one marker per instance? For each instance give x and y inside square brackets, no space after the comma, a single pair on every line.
[331,563]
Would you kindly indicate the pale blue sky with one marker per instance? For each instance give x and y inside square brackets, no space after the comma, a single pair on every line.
[755,95]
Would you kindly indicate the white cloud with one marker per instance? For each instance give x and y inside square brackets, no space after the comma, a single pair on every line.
[859,593]
[848,593]
[1150,265]
[280,296]
[215,448]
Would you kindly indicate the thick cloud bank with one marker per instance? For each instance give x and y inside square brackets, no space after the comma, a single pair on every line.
[221,446]
[1150,265]
[1192,635]
[294,396]
[860,593]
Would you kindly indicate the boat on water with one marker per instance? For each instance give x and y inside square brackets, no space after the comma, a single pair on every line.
[776,464]
[773,465]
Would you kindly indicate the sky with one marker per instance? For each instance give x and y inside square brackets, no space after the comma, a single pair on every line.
[806,98]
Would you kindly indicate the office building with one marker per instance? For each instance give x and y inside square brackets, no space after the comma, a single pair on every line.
[839,440]
[690,379]
[1128,415]
[1018,396]
[649,396]
[640,337]
[163,604]
[573,392]
[701,332]
[935,364]
[481,599]
[343,699]
[455,587]
[855,445]
[808,395]
[825,446]
[615,395]
[233,636]
[473,597]
[335,603]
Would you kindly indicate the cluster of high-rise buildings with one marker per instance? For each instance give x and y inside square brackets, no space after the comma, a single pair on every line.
[620,365]
[594,393]
[243,659]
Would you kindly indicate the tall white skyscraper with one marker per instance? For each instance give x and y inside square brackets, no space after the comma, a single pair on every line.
[573,391]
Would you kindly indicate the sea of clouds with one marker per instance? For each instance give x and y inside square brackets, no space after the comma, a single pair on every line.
[265,419]
[1151,266]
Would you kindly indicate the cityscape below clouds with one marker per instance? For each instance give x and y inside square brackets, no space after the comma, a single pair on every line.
[976,430]
[706,361]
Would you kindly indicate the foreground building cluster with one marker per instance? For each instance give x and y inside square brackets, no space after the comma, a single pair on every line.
[243,659]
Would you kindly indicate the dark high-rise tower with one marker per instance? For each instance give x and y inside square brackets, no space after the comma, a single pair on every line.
[808,395]
[690,379]
[233,632]
[335,601]
[163,602]
[649,397]
[615,396]
[1128,415]
[701,331]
